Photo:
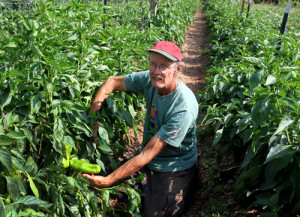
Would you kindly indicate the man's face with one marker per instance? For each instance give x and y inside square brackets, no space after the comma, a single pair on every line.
[163,73]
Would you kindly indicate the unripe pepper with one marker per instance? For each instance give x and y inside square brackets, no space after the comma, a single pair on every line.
[7,200]
[65,161]
[15,172]
[84,167]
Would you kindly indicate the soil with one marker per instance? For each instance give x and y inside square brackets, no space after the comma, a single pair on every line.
[194,58]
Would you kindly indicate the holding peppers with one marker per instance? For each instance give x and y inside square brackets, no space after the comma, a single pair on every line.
[84,167]
[79,165]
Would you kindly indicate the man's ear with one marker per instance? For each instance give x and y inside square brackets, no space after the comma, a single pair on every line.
[178,68]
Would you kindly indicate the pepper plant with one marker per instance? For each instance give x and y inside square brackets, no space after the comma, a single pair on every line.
[252,103]
[52,61]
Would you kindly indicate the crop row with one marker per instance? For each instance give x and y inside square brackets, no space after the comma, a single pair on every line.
[252,103]
[52,62]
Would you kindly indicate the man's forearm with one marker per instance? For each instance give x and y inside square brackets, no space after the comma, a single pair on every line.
[103,92]
[127,169]
[111,84]
[154,146]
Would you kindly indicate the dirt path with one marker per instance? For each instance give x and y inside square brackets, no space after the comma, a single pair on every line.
[194,58]
[213,190]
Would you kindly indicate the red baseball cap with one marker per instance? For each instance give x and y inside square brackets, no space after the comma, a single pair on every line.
[167,49]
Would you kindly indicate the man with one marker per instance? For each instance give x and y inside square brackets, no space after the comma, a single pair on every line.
[169,153]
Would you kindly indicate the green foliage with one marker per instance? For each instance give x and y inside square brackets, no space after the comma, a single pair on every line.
[171,28]
[52,62]
[252,101]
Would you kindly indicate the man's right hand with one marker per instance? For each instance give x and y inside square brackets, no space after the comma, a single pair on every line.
[95,107]
[111,84]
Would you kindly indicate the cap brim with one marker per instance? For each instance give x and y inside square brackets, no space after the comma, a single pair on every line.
[169,56]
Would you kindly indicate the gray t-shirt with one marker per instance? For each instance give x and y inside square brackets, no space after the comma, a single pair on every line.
[173,118]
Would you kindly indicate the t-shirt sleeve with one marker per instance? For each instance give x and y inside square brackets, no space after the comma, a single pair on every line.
[176,128]
[135,82]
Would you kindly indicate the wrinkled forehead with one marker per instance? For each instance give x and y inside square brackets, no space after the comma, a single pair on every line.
[154,56]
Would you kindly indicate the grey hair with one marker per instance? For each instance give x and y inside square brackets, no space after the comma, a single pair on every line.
[177,64]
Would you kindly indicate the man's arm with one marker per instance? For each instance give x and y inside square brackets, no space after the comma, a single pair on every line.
[153,147]
[111,84]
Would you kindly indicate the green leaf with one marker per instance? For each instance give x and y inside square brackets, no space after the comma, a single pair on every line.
[256,79]
[271,80]
[105,148]
[5,140]
[2,209]
[264,200]
[73,37]
[36,51]
[134,198]
[218,136]
[12,118]
[101,164]
[284,124]
[74,210]
[18,153]
[5,158]
[72,182]
[248,157]
[13,187]
[69,141]
[29,136]
[33,201]
[83,128]
[290,76]
[11,44]
[24,23]
[273,167]
[128,118]
[58,130]
[103,134]
[35,103]
[105,200]
[6,98]
[260,111]
[67,105]
[294,176]
[251,174]
[252,60]
[32,186]
[30,213]
[111,104]
[132,111]
[227,118]
[30,166]
[18,163]
[15,135]
[278,151]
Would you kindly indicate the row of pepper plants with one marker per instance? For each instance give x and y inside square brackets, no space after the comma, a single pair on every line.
[252,105]
[52,61]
